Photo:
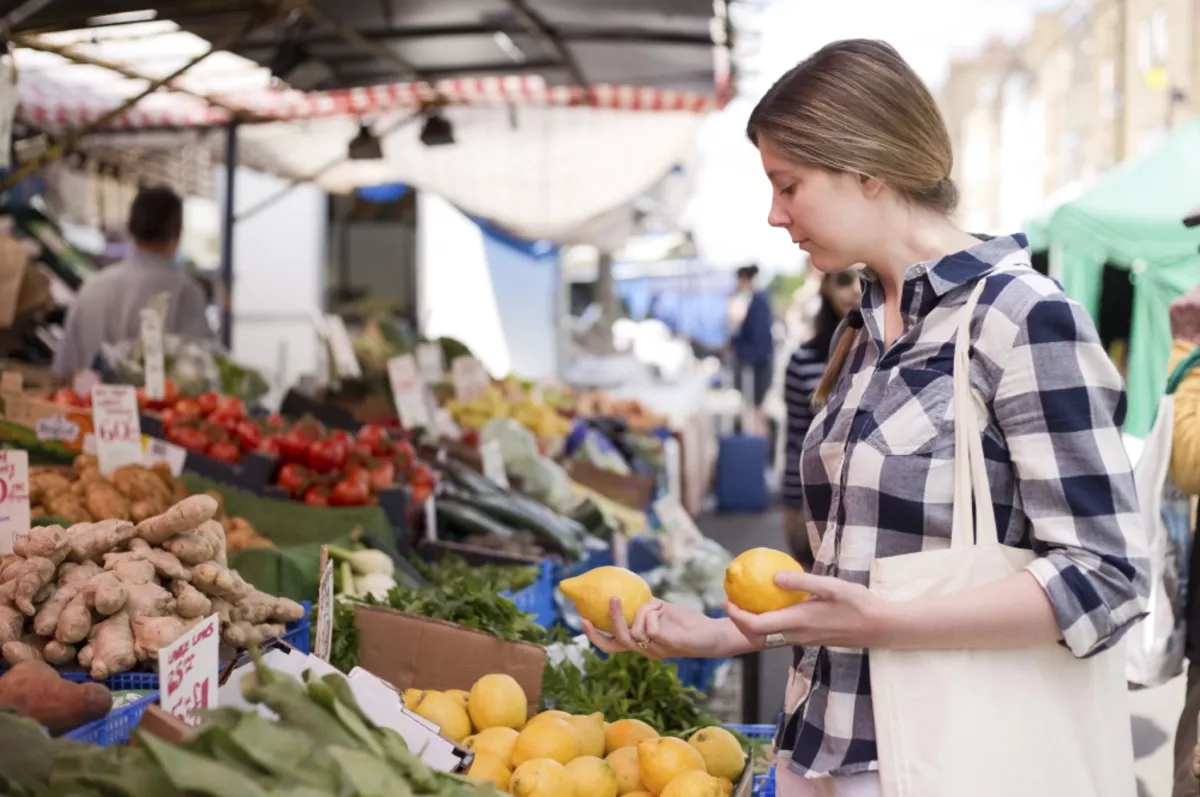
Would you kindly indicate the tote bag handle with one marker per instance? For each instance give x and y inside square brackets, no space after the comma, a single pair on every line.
[970,470]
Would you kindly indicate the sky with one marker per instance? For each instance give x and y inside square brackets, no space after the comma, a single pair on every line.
[729,206]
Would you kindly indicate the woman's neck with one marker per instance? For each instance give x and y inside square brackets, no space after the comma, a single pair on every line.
[923,237]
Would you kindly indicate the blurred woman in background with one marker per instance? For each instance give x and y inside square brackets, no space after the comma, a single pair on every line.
[753,344]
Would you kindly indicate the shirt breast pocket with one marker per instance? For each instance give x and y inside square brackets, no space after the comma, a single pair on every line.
[914,416]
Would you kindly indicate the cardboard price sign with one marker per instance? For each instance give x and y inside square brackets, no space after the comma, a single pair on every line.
[118,428]
[470,378]
[344,358]
[408,392]
[173,456]
[493,462]
[188,668]
[324,641]
[153,360]
[14,498]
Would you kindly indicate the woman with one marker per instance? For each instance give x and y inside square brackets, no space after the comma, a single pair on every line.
[753,344]
[839,295]
[860,161]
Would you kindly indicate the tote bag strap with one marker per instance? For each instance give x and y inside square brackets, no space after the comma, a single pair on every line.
[970,471]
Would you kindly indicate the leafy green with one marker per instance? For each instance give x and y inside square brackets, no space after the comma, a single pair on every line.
[454,571]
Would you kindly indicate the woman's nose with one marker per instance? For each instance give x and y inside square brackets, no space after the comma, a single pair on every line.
[777,216]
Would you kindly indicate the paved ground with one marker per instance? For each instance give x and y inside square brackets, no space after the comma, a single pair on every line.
[1154,712]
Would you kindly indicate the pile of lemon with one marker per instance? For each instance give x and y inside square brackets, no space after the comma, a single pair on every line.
[555,754]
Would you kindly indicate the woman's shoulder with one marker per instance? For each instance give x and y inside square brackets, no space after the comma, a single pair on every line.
[1021,302]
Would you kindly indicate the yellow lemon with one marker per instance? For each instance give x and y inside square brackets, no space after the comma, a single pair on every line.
[638,794]
[726,786]
[695,783]
[497,701]
[497,741]
[626,733]
[592,591]
[549,738]
[489,767]
[750,581]
[723,756]
[591,735]
[549,713]
[624,762]
[411,696]
[446,713]
[459,695]
[540,778]
[592,777]
[662,760]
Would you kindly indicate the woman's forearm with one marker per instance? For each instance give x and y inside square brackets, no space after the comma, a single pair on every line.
[730,641]
[1012,613]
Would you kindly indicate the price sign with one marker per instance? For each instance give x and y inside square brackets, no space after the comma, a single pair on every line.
[344,358]
[470,378]
[160,303]
[682,532]
[408,392]
[324,641]
[14,498]
[118,429]
[430,518]
[160,451]
[431,362]
[152,355]
[493,462]
[188,669]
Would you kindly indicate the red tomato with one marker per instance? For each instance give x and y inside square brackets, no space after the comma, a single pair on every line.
[326,455]
[293,478]
[471,438]
[269,446]
[293,446]
[208,403]
[383,475]
[275,421]
[168,416]
[377,438]
[225,451]
[405,455]
[230,405]
[188,408]
[67,396]
[348,492]
[421,475]
[192,438]
[248,435]
[227,421]
[364,450]
[316,496]
[421,493]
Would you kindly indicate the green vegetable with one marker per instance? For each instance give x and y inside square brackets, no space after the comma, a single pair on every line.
[366,561]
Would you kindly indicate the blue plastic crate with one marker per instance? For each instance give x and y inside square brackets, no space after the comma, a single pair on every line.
[698,673]
[538,598]
[764,785]
[117,727]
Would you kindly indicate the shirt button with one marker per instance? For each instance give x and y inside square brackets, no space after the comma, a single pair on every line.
[919,271]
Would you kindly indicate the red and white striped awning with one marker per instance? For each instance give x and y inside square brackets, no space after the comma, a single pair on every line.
[45,103]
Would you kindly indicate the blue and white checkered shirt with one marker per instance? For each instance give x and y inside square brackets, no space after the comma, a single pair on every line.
[877,470]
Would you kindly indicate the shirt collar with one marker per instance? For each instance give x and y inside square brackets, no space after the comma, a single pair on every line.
[144,257]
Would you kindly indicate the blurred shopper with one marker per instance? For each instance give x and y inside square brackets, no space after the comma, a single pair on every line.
[840,294]
[108,307]
[753,344]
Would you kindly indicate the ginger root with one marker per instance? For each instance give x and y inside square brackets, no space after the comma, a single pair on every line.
[90,541]
[183,516]
[218,581]
[22,583]
[103,500]
[190,603]
[48,542]
[191,547]
[112,647]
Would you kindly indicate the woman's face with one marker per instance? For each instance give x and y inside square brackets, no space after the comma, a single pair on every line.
[827,214]
[843,290]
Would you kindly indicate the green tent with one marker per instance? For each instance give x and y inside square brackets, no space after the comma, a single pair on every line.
[1132,217]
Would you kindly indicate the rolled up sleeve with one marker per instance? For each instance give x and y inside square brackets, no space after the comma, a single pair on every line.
[1060,404]
[1185,438]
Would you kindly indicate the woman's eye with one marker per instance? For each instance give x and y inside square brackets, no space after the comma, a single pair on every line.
[788,191]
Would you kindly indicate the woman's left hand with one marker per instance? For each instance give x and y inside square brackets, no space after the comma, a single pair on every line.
[838,613]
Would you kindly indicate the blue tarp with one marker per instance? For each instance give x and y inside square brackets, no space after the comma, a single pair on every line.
[694,306]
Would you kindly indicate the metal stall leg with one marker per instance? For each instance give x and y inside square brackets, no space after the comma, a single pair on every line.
[751,672]
[228,219]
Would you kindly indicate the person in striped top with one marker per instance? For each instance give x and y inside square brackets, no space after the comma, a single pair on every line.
[840,294]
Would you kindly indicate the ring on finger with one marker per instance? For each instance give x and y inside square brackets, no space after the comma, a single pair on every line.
[644,645]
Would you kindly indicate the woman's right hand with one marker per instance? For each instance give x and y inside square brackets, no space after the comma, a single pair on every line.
[664,630]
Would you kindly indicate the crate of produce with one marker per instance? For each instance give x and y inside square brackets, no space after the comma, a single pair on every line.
[764,784]
[538,598]
[118,726]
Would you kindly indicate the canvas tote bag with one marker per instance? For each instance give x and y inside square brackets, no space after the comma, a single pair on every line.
[1033,722]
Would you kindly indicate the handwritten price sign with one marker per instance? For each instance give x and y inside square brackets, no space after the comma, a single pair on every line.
[470,378]
[188,667]
[14,498]
[118,428]
[408,392]
[152,354]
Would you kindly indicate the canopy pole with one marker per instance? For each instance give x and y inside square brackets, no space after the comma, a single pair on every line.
[228,220]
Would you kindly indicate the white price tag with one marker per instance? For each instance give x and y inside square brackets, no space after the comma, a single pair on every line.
[408,392]
[161,304]
[431,362]
[324,641]
[493,462]
[682,532]
[152,355]
[470,378]
[188,669]
[160,451]
[14,498]
[118,427]
[344,358]
[430,519]
[8,109]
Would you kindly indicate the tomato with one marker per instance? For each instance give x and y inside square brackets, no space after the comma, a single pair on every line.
[362,449]
[377,438]
[230,405]
[421,493]
[187,436]
[208,403]
[293,478]
[188,408]
[269,446]
[471,438]
[405,455]
[275,421]
[421,475]
[383,475]
[348,492]
[293,446]
[227,421]
[67,396]
[168,417]
[248,435]
[326,455]
[316,496]
[359,475]
[225,451]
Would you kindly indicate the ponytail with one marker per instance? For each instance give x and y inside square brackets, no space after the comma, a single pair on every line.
[833,369]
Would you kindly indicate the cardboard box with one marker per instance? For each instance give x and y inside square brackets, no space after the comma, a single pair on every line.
[50,422]
[410,652]
[635,492]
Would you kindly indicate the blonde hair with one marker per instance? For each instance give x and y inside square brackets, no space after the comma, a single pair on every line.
[857,107]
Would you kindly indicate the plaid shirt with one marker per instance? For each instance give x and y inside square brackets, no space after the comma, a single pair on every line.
[877,470]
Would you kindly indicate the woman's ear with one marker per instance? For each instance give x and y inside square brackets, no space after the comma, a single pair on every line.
[871,186]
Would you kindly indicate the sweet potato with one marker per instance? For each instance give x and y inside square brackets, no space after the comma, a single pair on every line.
[33,689]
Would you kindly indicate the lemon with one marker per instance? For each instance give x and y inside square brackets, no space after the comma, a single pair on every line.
[411,696]
[497,741]
[662,760]
[750,581]
[591,735]
[489,767]
[444,712]
[548,738]
[540,777]
[459,695]
[562,715]
[723,756]
[592,777]
[497,701]
[695,783]
[592,591]
[638,794]
[624,762]
[626,733]
[726,786]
